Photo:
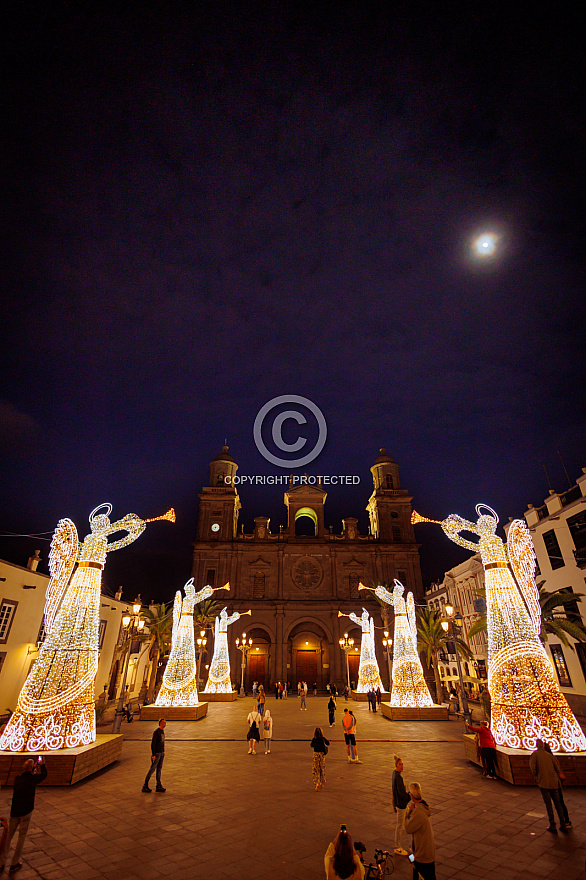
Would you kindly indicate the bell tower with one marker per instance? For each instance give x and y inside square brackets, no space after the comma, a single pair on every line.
[389,506]
[219,503]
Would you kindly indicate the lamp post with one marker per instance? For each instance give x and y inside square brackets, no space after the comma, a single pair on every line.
[346,645]
[387,646]
[449,623]
[201,646]
[246,648]
[132,624]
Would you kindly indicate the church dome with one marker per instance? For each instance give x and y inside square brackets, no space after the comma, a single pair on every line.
[383,457]
[224,455]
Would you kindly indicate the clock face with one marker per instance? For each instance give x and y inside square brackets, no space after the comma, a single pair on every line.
[215,527]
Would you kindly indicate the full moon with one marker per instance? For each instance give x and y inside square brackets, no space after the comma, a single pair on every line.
[485,244]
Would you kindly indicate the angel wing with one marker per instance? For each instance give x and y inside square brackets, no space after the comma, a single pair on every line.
[522,559]
[62,558]
[410,605]
[216,629]
[176,612]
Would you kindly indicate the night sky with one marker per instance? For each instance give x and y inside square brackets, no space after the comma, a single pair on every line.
[207,209]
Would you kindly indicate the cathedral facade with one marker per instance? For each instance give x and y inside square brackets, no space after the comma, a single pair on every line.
[297,580]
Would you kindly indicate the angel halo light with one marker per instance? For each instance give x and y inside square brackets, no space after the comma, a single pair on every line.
[526,701]
[409,687]
[179,687]
[55,708]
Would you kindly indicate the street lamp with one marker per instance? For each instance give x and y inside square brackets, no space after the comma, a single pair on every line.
[346,645]
[387,646]
[246,648]
[201,647]
[132,624]
[449,623]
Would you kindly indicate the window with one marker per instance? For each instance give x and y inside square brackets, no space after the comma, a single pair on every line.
[389,481]
[258,585]
[552,547]
[102,633]
[7,612]
[353,581]
[210,580]
[577,527]
[41,634]
[571,610]
[396,533]
[402,576]
[581,651]
[559,661]
[2,659]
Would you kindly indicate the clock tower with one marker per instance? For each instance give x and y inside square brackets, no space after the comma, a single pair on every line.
[219,503]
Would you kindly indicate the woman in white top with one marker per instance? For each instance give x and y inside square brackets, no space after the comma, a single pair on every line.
[267,731]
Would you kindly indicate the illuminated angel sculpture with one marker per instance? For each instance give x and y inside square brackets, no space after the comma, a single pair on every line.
[409,687]
[179,687]
[526,701]
[219,681]
[55,708]
[368,674]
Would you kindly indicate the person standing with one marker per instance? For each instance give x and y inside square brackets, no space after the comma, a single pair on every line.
[319,744]
[401,800]
[254,688]
[254,720]
[267,731]
[260,701]
[157,756]
[418,825]
[484,700]
[315,689]
[548,775]
[332,711]
[379,696]
[346,692]
[23,804]
[303,695]
[369,698]
[277,690]
[487,748]
[349,725]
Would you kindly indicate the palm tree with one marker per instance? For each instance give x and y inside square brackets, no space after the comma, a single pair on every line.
[562,627]
[432,639]
[159,624]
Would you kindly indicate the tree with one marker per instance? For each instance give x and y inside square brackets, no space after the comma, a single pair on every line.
[159,623]
[561,627]
[432,639]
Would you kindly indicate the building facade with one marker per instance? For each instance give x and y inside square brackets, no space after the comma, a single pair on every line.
[296,580]
[463,587]
[558,529]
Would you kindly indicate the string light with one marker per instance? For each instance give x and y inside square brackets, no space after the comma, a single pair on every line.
[55,709]
[219,680]
[368,674]
[409,687]
[526,701]
[179,687]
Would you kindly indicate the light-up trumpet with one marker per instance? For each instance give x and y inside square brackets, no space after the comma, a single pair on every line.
[170,516]
[417,518]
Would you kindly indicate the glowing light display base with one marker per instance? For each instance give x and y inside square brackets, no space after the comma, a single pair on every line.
[414,713]
[66,766]
[222,698]
[513,764]
[362,697]
[409,686]
[526,701]
[55,708]
[174,713]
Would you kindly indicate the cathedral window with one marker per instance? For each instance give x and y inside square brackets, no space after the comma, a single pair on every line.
[353,581]
[396,533]
[258,585]
[389,481]
[210,579]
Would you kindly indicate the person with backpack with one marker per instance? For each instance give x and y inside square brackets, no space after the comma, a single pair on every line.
[332,710]
[253,736]
[319,744]
[267,731]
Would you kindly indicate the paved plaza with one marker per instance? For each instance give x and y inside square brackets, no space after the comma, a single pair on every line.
[227,814]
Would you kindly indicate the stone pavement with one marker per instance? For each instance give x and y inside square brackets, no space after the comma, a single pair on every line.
[227,814]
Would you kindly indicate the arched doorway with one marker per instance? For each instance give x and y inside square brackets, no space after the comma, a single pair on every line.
[308,652]
[259,659]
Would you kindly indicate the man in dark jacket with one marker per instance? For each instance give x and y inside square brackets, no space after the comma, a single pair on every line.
[23,804]
[546,769]
[157,756]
